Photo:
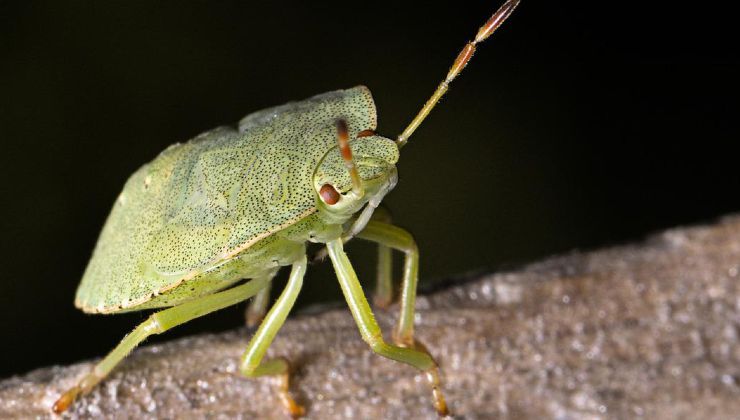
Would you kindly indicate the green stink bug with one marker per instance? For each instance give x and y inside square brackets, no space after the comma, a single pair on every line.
[239,203]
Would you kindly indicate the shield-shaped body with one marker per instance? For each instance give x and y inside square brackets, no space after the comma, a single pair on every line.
[182,221]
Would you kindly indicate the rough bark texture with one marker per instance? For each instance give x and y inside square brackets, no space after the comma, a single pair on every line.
[649,330]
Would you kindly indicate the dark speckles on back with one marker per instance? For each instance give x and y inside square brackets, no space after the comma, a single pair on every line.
[202,201]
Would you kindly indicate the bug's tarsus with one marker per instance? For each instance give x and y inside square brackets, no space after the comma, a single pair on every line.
[65,400]
[343,139]
[460,62]
[294,409]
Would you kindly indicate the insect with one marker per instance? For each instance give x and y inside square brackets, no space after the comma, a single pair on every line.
[239,203]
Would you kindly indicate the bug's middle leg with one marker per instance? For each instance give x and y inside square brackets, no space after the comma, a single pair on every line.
[389,236]
[251,364]
[383,296]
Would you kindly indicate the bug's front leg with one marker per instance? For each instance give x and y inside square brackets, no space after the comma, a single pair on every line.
[389,236]
[251,362]
[370,330]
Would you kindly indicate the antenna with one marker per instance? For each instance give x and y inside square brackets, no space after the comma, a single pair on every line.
[343,139]
[461,61]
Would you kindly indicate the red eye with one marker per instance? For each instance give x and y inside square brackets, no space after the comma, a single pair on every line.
[329,194]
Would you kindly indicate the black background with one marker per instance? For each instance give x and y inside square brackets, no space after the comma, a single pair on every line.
[580,124]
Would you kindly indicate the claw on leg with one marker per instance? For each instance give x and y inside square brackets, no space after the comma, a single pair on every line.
[438,399]
[65,400]
[68,398]
[291,406]
[279,368]
[432,374]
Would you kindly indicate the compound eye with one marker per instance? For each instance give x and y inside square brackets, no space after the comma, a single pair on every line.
[329,194]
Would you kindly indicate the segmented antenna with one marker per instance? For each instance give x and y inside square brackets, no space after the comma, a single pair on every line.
[343,138]
[460,62]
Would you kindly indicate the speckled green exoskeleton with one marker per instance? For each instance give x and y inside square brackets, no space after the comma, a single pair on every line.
[236,204]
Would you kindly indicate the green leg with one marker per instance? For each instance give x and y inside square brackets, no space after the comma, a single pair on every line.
[394,237]
[383,296]
[257,307]
[157,323]
[251,362]
[370,330]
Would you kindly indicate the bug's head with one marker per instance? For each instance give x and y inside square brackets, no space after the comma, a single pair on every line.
[348,177]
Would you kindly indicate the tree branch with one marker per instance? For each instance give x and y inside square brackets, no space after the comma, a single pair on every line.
[641,330]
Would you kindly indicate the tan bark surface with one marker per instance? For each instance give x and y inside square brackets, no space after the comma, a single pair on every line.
[648,330]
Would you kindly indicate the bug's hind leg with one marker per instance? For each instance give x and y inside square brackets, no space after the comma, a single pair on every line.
[370,330]
[383,296]
[257,307]
[157,323]
[389,236]
[251,364]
